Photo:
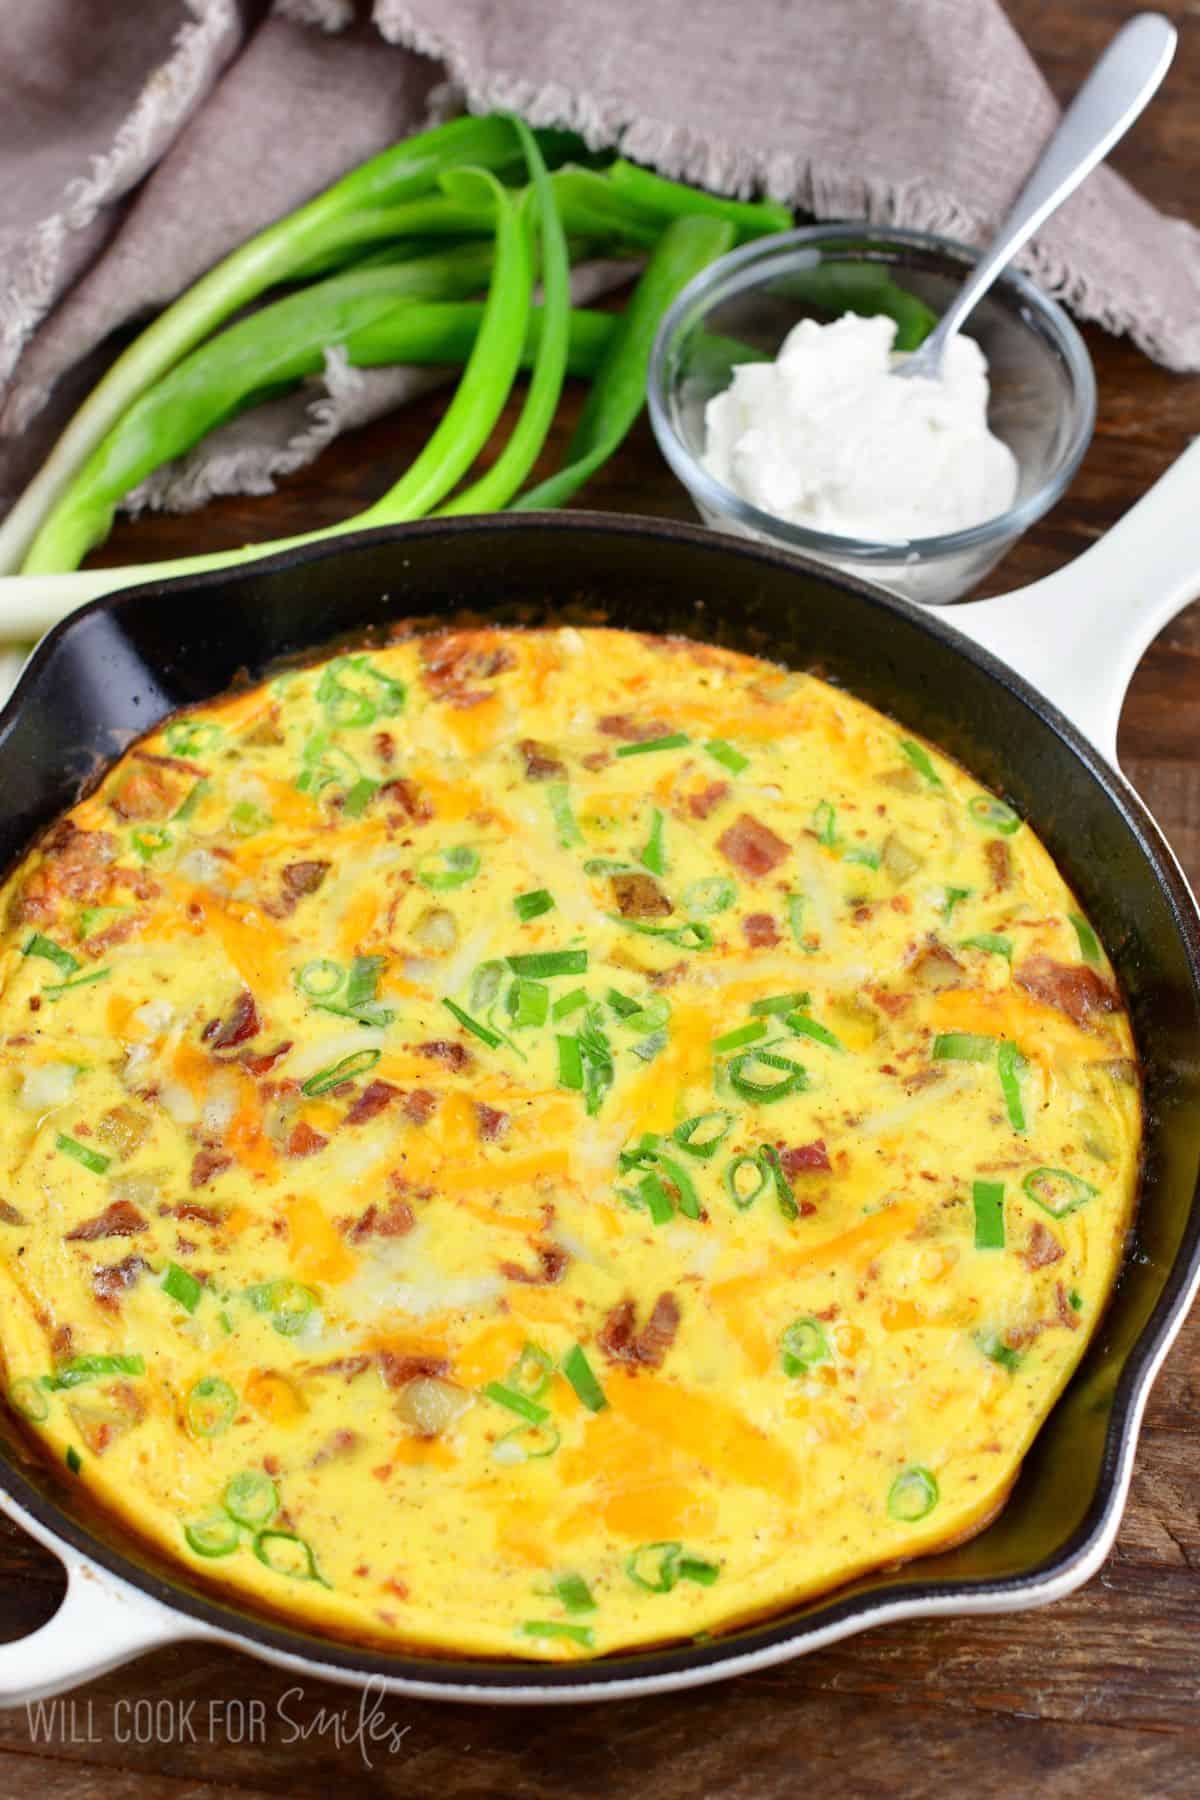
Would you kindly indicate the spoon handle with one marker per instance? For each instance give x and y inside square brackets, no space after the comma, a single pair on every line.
[1102,111]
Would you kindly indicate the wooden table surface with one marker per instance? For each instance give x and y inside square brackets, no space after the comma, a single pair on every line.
[1098,1695]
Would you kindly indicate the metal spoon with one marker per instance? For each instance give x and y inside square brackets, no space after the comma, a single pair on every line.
[1102,112]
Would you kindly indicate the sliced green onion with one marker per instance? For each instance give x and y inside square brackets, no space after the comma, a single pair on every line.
[52,953]
[556,1628]
[912,1496]
[532,1372]
[649,1047]
[997,1351]
[704,1133]
[344,706]
[247,820]
[525,1409]
[570,1063]
[484,1033]
[485,983]
[1075,1300]
[528,1002]
[533,905]
[542,964]
[711,894]
[921,761]
[796,906]
[359,795]
[691,935]
[727,756]
[350,1066]
[803,1026]
[991,814]
[681,1181]
[743,1034]
[1010,1065]
[320,979]
[558,797]
[743,1197]
[988,1200]
[1057,1191]
[578,1371]
[791,1080]
[526,1443]
[441,870]
[288,1302]
[574,1593]
[654,856]
[182,1286]
[91,918]
[651,1017]
[655,1198]
[90,1368]
[654,1567]
[569,1003]
[674,741]
[621,1004]
[951,897]
[251,1498]
[963,1046]
[990,941]
[803,1344]
[286,1554]
[769,1156]
[73,1459]
[694,1568]
[825,823]
[190,737]
[1089,943]
[215,1536]
[150,841]
[858,854]
[91,1159]
[57,989]
[598,1071]
[210,1407]
[778,1003]
[191,800]
[29,1399]
[607,865]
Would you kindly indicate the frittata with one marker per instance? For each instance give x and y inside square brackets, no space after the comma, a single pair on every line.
[532,1143]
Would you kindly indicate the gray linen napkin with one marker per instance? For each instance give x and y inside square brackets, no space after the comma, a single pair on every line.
[139,144]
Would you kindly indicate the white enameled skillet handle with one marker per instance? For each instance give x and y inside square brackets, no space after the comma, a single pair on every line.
[100,1624]
[1079,634]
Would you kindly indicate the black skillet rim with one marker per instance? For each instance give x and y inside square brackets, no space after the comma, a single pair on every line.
[684,1664]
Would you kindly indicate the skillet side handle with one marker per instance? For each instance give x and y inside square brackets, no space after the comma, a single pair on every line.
[1079,634]
[99,1625]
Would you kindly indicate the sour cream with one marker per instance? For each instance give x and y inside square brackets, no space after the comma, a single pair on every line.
[826,437]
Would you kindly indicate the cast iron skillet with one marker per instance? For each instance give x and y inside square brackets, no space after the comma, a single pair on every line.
[117,667]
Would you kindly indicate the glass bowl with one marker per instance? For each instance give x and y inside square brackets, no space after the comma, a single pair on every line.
[1043,390]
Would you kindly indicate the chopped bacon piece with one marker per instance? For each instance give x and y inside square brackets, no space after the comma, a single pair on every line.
[620,1342]
[262,1062]
[490,1122]
[638,896]
[9,1214]
[398,1370]
[148,792]
[1070,988]
[75,865]
[752,846]
[662,978]
[419,1105]
[375,1097]
[445,1050]
[454,659]
[349,1366]
[301,878]
[118,932]
[242,1023]
[193,1212]
[1043,1247]
[1066,1312]
[541,764]
[385,747]
[634,731]
[304,1141]
[340,1443]
[999,861]
[891,1003]
[396,1220]
[761,930]
[554,1263]
[121,1219]
[804,1158]
[408,797]
[110,1281]
[208,1162]
[702,803]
